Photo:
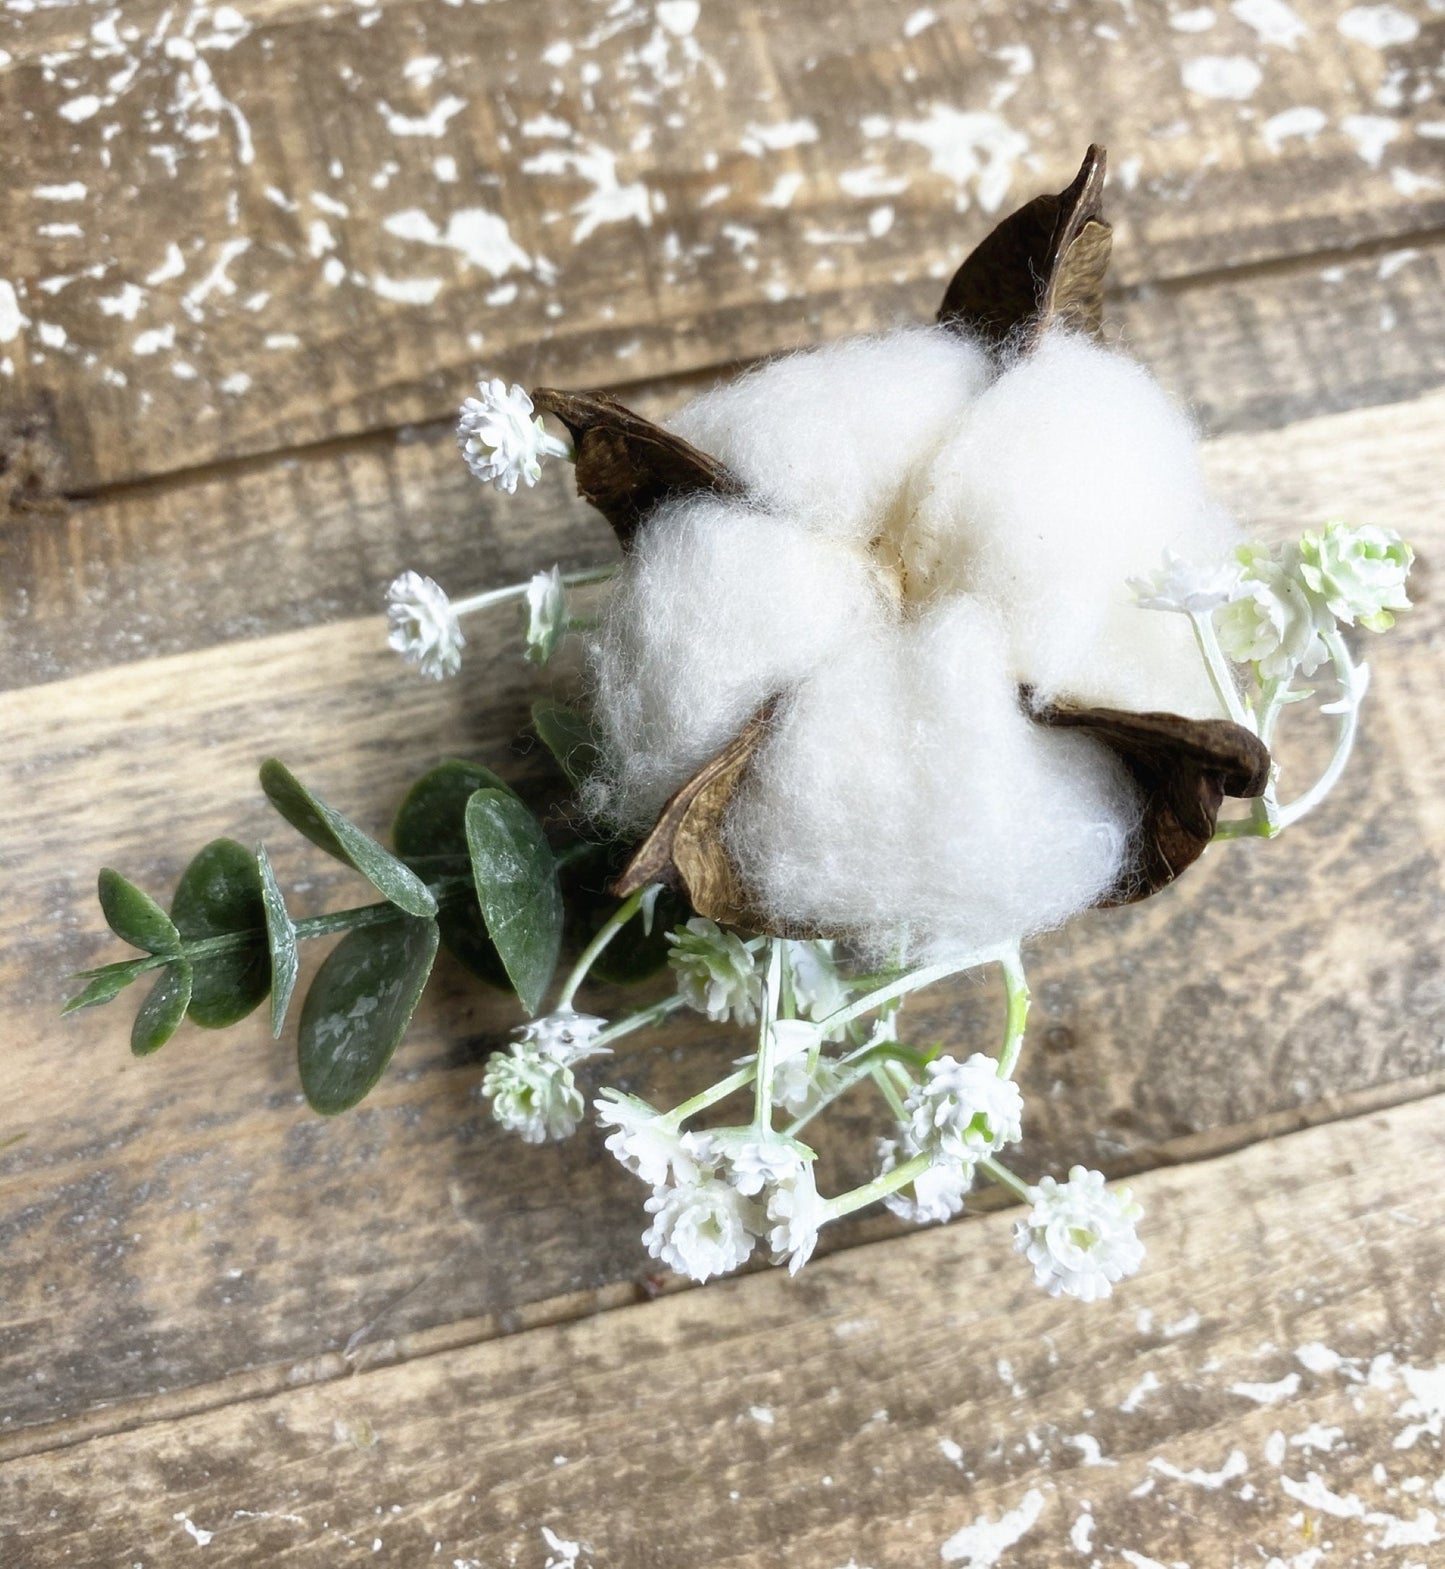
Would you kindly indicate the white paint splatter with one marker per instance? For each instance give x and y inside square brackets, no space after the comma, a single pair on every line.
[201,1537]
[762,1415]
[78,109]
[1408,183]
[871,181]
[1303,121]
[1198,19]
[1313,1494]
[445,169]
[433,123]
[1371,134]
[1081,1533]
[1235,1465]
[1317,1437]
[11,317]
[880,221]
[126,303]
[775,138]
[982,1544]
[1139,1560]
[1274,1448]
[154,340]
[217,279]
[610,201]
[1273,20]
[562,1553]
[1136,1396]
[785,188]
[72,191]
[1088,1447]
[679,17]
[1269,1394]
[235,384]
[172,267]
[1419,1532]
[482,238]
[52,334]
[1426,1404]
[975,149]
[1379,26]
[406,291]
[1222,76]
[1316,1357]
[951,1451]
[423,70]
[919,21]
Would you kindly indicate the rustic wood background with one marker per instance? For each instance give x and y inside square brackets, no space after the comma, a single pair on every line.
[252,256]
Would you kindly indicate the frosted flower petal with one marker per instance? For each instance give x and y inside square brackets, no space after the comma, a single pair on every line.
[1080,1237]
[423,627]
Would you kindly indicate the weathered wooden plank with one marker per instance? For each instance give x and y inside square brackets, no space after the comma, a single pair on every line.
[306,538]
[1270,1387]
[172,1222]
[236,229]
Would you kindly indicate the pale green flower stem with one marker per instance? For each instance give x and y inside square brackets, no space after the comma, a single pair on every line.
[1017,990]
[879,1188]
[1220,674]
[593,951]
[1005,1178]
[498,596]
[640,1020]
[766,1066]
[911,982]
[709,1097]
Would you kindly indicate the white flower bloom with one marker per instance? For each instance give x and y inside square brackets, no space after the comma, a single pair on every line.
[964,1110]
[1273,623]
[1358,573]
[715,972]
[565,1035]
[501,439]
[702,1228]
[533,1094]
[818,989]
[1181,585]
[1079,1236]
[935,1195]
[546,615]
[796,1210]
[801,1081]
[764,1163]
[641,1139]
[424,630]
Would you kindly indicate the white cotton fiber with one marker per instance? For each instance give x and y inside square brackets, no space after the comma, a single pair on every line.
[924,534]
[1071,474]
[831,437]
[947,820]
[719,608]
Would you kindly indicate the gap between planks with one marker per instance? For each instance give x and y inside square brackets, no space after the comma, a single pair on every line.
[261,1383]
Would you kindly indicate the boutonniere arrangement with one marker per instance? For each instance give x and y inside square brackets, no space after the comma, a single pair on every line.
[918,645]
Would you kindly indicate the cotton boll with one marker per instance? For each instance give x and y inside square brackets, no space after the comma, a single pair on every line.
[829,437]
[1070,474]
[717,609]
[904,799]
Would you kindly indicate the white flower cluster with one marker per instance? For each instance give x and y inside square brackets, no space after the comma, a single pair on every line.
[1080,1237]
[716,973]
[1273,609]
[546,615]
[532,1088]
[424,628]
[714,1197]
[502,439]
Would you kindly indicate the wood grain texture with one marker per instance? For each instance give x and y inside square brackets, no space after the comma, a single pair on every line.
[327,528]
[1268,1389]
[242,228]
[178,1221]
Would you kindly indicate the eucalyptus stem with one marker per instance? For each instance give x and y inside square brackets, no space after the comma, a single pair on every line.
[593,951]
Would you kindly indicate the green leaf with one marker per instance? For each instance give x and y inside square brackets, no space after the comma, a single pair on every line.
[517,887]
[220,895]
[430,832]
[160,1015]
[134,915]
[103,985]
[358,1009]
[281,938]
[568,736]
[328,830]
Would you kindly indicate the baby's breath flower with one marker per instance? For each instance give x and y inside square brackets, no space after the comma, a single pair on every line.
[818,989]
[1273,623]
[715,972]
[795,1212]
[764,1163]
[501,439]
[702,1227]
[546,615]
[1359,573]
[533,1094]
[566,1035]
[964,1110]
[1079,1236]
[1181,585]
[936,1194]
[802,1081]
[424,630]
[642,1141]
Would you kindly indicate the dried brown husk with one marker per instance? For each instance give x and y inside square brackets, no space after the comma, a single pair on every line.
[1042,265]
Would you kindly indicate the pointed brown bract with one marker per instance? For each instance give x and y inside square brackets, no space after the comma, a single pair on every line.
[1044,263]
[626,464]
[1184,768]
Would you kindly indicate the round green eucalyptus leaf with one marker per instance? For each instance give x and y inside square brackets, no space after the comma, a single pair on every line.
[430,835]
[132,914]
[358,1008]
[219,895]
[101,986]
[568,736]
[328,830]
[517,887]
[160,1015]
[280,939]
